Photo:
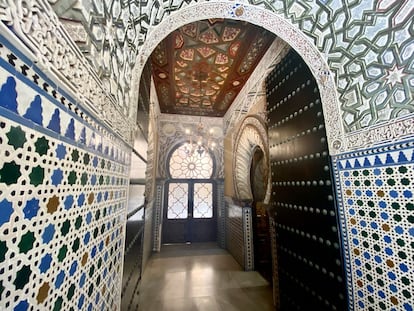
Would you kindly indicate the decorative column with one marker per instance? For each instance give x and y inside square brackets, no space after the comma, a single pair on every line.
[221,213]
[248,238]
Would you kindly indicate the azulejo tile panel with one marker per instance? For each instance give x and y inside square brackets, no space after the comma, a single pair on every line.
[63,191]
[53,47]
[27,93]
[377,217]
[235,231]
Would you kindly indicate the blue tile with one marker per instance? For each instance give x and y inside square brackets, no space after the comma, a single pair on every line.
[8,95]
[34,112]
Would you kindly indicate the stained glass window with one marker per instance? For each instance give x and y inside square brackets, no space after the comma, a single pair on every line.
[198,165]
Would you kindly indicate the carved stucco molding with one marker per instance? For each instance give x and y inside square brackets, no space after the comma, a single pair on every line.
[252,134]
[273,22]
[387,132]
[53,50]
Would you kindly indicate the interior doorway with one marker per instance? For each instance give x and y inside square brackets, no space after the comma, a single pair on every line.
[261,233]
[190,207]
[190,214]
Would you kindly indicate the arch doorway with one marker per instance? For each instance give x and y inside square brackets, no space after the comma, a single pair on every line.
[260,217]
[190,210]
[315,272]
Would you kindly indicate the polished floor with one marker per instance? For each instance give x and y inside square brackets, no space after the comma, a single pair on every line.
[201,277]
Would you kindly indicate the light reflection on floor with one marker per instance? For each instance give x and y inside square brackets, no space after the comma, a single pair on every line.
[201,277]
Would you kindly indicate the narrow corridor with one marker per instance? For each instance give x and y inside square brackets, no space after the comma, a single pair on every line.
[201,276]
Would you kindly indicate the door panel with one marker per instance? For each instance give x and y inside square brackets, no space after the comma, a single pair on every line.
[176,213]
[177,201]
[310,270]
[203,200]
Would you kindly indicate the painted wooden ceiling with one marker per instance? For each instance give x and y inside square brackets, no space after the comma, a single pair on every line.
[201,67]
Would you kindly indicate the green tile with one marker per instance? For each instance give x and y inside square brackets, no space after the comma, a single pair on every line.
[42,145]
[26,242]
[10,173]
[75,155]
[3,250]
[17,137]
[62,253]
[37,175]
[22,277]
[65,227]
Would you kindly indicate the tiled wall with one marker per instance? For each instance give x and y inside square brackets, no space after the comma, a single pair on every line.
[377,217]
[221,214]
[234,232]
[63,195]
[239,240]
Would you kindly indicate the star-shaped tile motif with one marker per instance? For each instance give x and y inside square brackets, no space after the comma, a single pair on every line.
[17,137]
[395,75]
[42,145]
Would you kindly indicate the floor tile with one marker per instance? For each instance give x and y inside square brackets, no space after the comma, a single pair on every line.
[201,277]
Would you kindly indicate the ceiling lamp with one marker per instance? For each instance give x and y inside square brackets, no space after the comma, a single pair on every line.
[199,140]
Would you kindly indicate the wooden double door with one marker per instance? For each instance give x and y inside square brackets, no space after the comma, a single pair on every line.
[189,211]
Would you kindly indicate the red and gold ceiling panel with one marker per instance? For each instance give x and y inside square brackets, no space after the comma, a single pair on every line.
[230,34]
[159,56]
[178,41]
[201,67]
[190,30]
[206,51]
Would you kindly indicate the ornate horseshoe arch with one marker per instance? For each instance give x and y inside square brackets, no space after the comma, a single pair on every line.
[252,134]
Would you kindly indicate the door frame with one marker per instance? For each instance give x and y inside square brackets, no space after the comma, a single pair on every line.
[187,224]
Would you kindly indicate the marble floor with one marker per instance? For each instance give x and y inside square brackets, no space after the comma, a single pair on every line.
[201,276]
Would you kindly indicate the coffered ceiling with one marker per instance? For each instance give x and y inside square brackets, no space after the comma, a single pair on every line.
[200,68]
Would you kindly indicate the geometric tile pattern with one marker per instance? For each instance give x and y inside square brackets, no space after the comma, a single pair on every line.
[234,232]
[104,32]
[63,191]
[221,214]
[369,50]
[27,93]
[377,218]
[49,45]
[158,206]
[61,223]
[374,76]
